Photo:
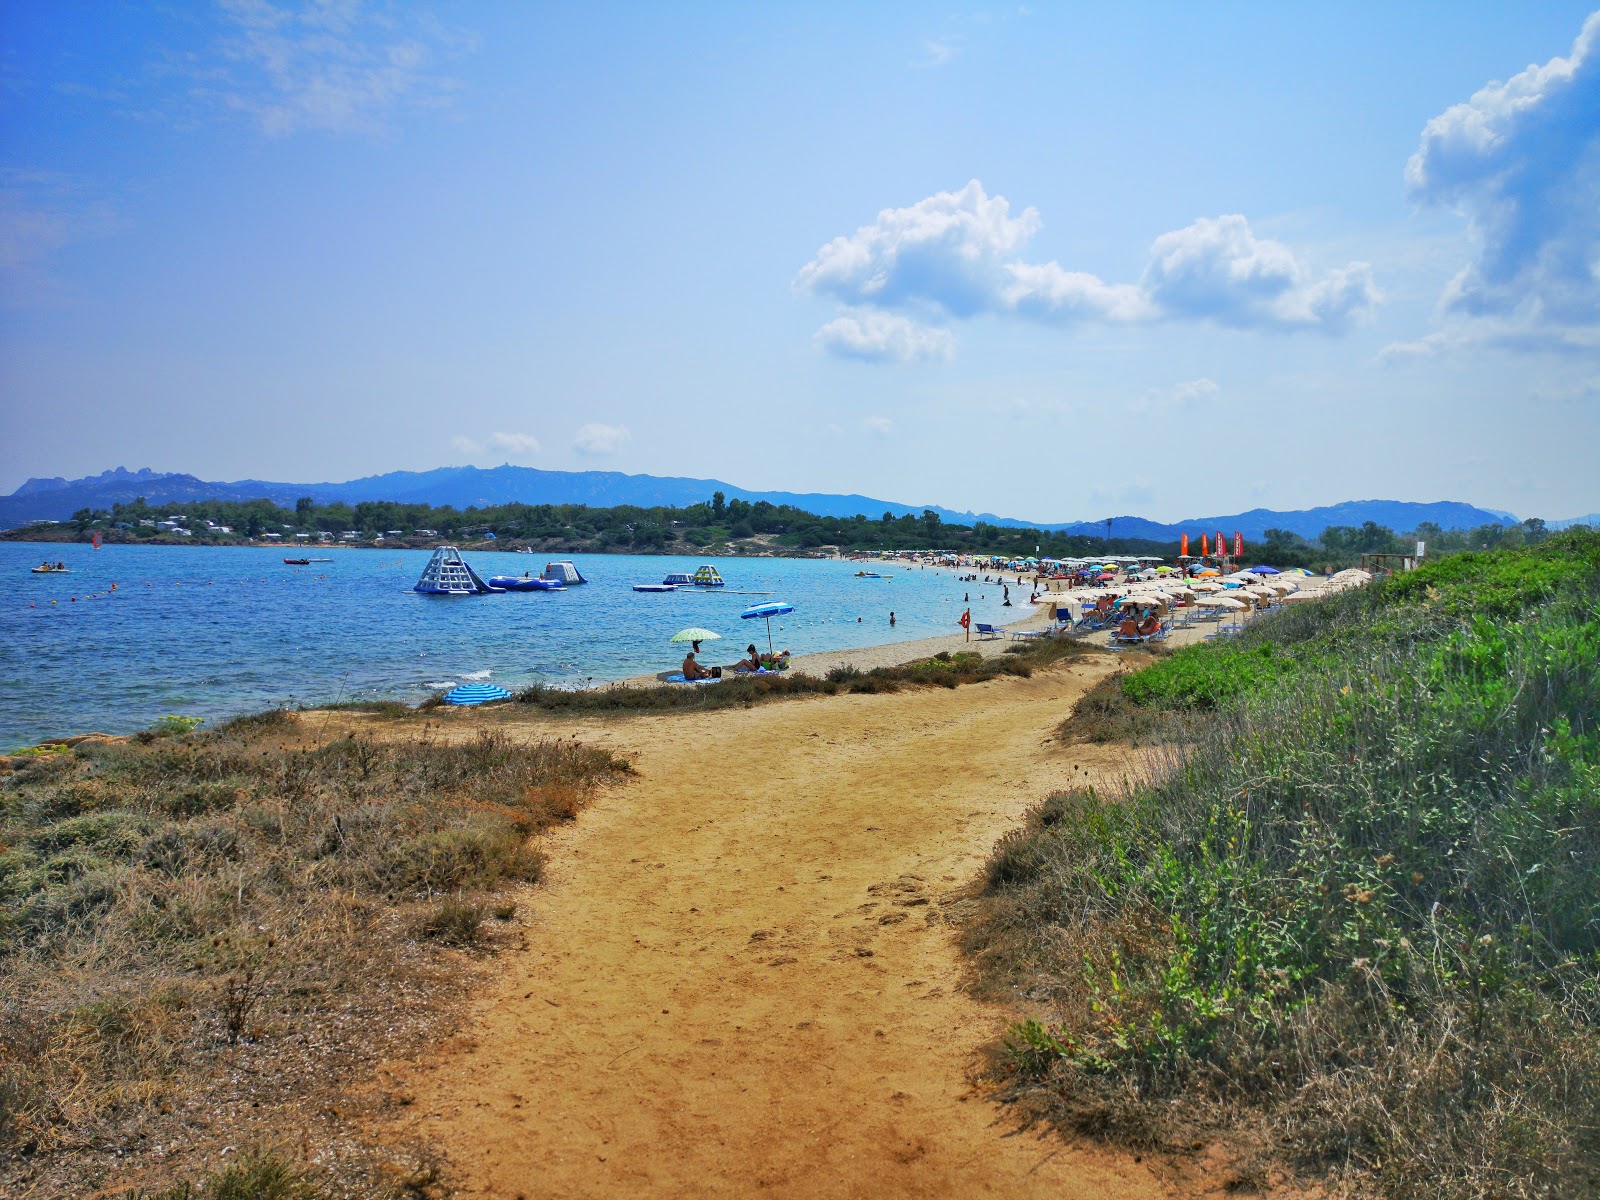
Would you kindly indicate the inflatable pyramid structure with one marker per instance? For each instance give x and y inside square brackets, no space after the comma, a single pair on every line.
[447,574]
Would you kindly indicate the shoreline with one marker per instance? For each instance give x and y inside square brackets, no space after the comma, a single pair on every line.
[865,658]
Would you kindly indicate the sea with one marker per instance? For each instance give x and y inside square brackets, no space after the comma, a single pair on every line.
[133,634]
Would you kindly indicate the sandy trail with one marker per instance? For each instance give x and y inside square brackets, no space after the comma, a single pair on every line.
[737,979]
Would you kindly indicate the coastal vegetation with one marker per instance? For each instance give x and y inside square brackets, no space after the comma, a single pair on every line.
[945,669]
[208,939]
[1351,919]
[716,526]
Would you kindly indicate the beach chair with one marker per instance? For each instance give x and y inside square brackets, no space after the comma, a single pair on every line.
[988,633]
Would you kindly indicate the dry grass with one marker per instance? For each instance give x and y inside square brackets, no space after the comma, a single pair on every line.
[207,941]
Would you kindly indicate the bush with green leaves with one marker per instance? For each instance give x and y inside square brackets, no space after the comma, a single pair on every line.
[1362,904]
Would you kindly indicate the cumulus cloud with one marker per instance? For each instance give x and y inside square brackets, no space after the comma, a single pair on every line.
[948,252]
[597,440]
[1521,160]
[873,335]
[958,254]
[1217,269]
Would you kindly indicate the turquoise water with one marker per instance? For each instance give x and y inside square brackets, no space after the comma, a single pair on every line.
[219,631]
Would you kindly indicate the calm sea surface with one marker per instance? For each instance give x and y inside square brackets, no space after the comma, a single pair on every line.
[215,632]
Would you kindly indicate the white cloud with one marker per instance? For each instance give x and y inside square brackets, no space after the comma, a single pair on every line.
[509,447]
[597,440]
[516,445]
[948,252]
[1521,160]
[876,336]
[881,426]
[1218,270]
[939,51]
[326,65]
[958,254]
[1048,291]
[1190,394]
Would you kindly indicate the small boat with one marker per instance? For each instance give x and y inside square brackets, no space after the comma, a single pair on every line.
[707,576]
[563,572]
[678,579]
[868,575]
[525,583]
[297,562]
[47,569]
[655,587]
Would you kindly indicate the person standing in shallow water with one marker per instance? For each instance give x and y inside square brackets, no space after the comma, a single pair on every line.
[891,619]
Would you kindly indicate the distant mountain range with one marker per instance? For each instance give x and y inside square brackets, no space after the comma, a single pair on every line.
[57,499]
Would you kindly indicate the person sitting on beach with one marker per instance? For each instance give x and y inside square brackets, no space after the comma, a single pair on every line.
[1129,627]
[753,663]
[1150,625]
[692,669]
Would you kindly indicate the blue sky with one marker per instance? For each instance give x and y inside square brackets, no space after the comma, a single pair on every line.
[1051,261]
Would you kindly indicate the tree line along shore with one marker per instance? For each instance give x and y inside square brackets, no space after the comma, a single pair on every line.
[716,526]
[1346,923]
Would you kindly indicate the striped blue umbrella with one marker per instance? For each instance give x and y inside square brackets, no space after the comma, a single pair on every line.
[475,693]
[768,610]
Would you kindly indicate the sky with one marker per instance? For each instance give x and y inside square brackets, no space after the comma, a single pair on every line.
[1050,261]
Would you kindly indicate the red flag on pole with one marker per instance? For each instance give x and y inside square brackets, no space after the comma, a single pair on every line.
[1203,550]
[1238,544]
[1220,546]
[1183,546]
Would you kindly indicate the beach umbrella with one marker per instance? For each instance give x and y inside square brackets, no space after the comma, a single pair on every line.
[1209,573]
[475,693]
[695,634]
[766,611]
[1264,570]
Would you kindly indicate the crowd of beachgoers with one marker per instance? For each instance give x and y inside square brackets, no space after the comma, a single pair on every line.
[1132,600]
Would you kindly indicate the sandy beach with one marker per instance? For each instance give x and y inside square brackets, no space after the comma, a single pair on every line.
[1187,627]
[742,975]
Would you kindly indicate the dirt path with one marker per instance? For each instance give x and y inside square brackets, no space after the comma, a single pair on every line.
[737,980]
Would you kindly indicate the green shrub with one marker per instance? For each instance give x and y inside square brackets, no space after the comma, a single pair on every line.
[1361,904]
